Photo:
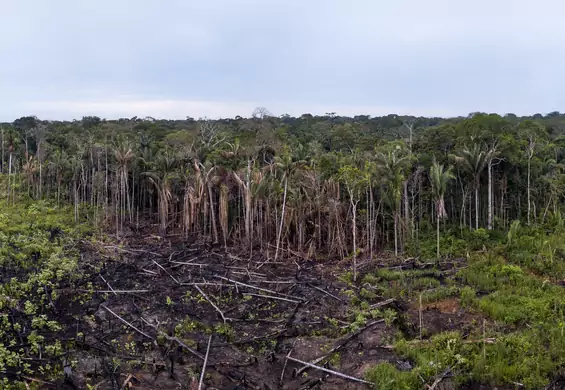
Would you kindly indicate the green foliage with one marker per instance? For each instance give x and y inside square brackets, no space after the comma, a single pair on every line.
[439,293]
[468,296]
[385,376]
[35,266]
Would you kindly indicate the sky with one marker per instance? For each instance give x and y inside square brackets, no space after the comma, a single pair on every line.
[64,59]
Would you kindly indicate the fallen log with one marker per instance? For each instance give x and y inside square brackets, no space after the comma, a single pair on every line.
[340,345]
[336,373]
[125,322]
[204,364]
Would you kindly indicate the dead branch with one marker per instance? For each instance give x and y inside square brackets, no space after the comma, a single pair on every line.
[279,282]
[108,284]
[126,381]
[190,264]
[340,345]
[125,322]
[115,291]
[175,339]
[204,364]
[325,292]
[272,297]
[212,303]
[383,303]
[257,288]
[167,272]
[439,379]
[208,284]
[339,374]
[285,363]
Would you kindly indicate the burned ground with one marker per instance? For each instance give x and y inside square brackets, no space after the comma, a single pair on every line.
[143,314]
[155,306]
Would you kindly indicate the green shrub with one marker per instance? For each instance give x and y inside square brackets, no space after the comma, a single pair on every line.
[468,296]
[387,377]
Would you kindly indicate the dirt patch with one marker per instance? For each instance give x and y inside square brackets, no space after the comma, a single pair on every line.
[443,315]
[449,305]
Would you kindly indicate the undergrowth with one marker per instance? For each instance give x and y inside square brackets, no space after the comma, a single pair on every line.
[514,286]
[38,256]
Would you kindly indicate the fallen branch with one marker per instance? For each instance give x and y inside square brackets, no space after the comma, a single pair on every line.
[127,381]
[204,365]
[108,284]
[439,379]
[272,297]
[340,345]
[208,284]
[325,292]
[192,264]
[284,367]
[115,291]
[211,303]
[257,288]
[339,374]
[383,303]
[167,272]
[125,322]
[286,362]
[175,339]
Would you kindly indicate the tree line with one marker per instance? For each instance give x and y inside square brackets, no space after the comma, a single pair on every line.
[310,185]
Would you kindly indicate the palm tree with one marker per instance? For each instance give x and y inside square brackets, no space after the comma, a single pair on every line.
[394,166]
[59,162]
[124,155]
[474,162]
[161,178]
[287,166]
[439,178]
[11,137]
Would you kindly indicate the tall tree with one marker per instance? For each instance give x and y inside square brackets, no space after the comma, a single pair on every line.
[474,161]
[355,181]
[439,179]
[286,166]
[394,164]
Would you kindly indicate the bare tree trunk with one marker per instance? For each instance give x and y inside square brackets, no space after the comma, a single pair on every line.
[213,215]
[2,146]
[406,207]
[396,233]
[530,149]
[282,218]
[9,174]
[354,232]
[528,189]
[476,205]
[490,206]
[40,179]
[437,235]
[106,179]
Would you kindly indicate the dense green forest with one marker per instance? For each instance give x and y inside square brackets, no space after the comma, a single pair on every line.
[320,185]
[473,203]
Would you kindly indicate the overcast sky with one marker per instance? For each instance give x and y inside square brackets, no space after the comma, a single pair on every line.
[62,59]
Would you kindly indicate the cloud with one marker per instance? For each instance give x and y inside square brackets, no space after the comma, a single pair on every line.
[217,56]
